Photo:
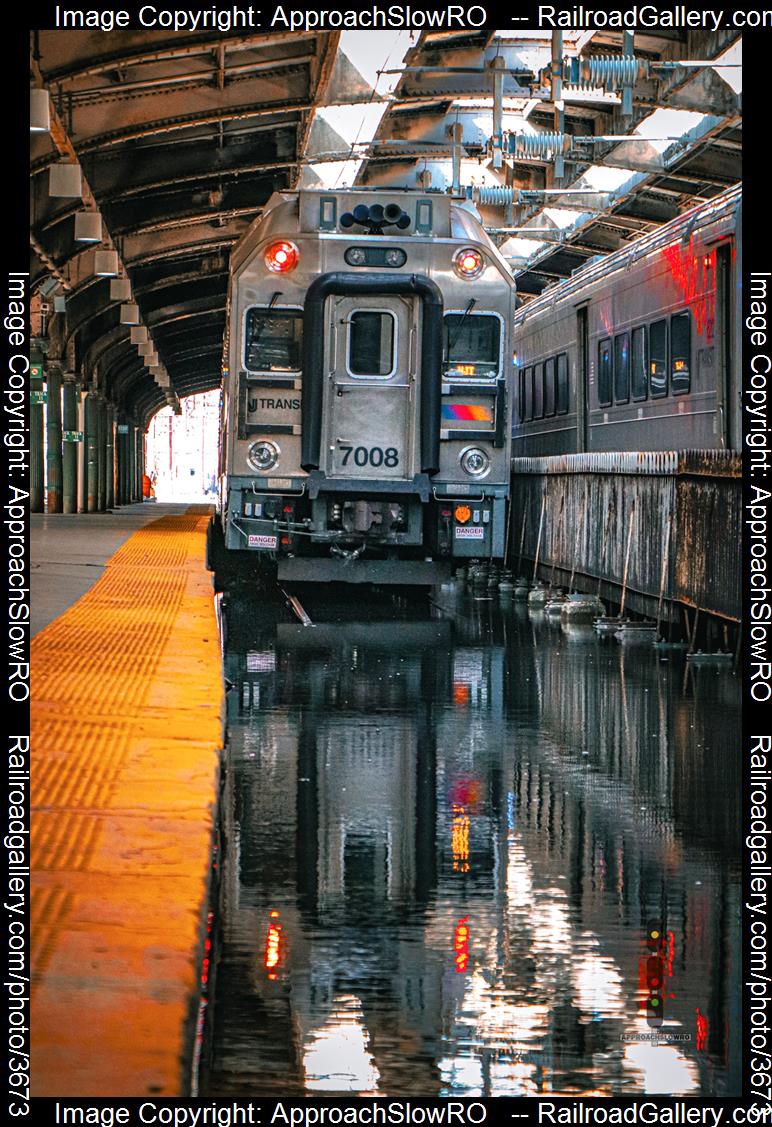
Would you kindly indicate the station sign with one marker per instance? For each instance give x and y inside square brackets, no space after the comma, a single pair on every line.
[39,396]
[73,436]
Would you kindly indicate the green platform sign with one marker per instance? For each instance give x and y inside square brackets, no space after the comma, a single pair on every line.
[39,396]
[73,436]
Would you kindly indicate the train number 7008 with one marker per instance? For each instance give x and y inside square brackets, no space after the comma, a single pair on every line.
[374,456]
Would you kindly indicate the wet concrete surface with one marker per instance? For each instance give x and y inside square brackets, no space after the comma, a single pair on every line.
[459,845]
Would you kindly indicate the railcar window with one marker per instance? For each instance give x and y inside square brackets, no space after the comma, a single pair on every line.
[622,368]
[471,345]
[521,393]
[561,402]
[639,380]
[538,391]
[680,353]
[528,413]
[272,340]
[371,343]
[549,387]
[604,372]
[658,359]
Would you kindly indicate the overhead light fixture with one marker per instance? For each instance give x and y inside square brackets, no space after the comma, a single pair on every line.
[151,360]
[120,290]
[60,303]
[64,180]
[130,313]
[88,227]
[146,348]
[139,334]
[106,263]
[39,111]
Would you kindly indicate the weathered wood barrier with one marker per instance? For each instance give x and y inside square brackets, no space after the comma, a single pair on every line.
[664,526]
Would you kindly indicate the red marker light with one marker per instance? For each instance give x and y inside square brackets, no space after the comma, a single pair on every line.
[281,257]
[468,263]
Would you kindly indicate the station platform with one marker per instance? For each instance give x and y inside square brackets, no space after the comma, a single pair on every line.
[126,725]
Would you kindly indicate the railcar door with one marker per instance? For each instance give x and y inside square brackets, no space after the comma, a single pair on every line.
[371,402]
[723,347]
[582,378]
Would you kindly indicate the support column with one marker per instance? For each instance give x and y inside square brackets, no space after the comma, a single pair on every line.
[90,438]
[82,451]
[110,452]
[54,439]
[120,460]
[123,460]
[37,469]
[140,461]
[131,442]
[71,446]
[101,429]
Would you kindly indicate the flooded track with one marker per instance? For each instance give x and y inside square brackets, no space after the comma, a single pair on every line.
[447,833]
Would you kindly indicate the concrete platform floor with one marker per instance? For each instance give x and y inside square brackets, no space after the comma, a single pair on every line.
[126,722]
[69,551]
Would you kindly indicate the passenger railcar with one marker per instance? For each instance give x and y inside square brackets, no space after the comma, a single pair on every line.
[640,350]
[366,417]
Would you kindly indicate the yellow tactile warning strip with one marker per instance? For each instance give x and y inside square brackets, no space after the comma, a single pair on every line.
[126,724]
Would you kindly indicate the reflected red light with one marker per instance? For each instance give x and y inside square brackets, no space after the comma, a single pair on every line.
[281,257]
[206,961]
[466,792]
[274,944]
[461,694]
[670,953]
[702,1031]
[694,278]
[461,945]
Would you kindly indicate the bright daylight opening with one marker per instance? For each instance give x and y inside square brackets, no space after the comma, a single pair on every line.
[181,450]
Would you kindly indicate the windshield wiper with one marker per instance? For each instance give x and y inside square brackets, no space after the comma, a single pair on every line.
[454,342]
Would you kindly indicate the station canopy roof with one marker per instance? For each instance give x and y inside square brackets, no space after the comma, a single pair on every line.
[180,139]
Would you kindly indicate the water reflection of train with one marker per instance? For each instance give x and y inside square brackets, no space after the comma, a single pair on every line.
[457,899]
[365,429]
[640,350]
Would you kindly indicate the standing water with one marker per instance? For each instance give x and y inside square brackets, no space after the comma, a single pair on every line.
[467,852]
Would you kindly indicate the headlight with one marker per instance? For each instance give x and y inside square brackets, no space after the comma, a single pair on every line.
[263,456]
[474,461]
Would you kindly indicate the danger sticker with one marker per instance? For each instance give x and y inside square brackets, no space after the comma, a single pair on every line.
[263,541]
[471,533]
